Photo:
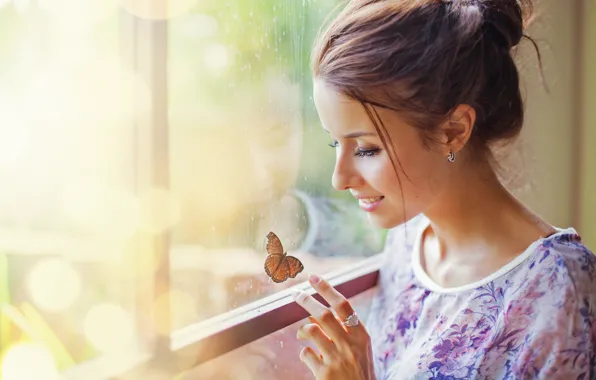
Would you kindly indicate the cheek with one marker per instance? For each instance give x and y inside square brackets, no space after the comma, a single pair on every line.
[377,172]
[420,174]
[426,174]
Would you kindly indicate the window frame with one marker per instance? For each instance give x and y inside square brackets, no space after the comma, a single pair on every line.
[214,337]
[144,50]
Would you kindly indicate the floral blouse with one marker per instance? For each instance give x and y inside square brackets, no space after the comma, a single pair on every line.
[533,319]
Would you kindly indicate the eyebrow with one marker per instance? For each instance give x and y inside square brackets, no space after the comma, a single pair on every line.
[355,135]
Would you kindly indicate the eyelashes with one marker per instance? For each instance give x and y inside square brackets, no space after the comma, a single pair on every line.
[360,152]
[367,152]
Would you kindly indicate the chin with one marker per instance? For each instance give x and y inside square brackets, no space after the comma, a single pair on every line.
[385,221]
[389,220]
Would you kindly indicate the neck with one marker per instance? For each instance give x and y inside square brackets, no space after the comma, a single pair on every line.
[476,213]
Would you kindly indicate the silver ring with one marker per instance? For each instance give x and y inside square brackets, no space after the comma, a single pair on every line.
[352,320]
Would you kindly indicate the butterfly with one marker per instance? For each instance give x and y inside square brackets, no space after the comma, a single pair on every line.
[278,265]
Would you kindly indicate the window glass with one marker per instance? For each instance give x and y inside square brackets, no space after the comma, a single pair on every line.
[248,155]
[273,357]
[68,209]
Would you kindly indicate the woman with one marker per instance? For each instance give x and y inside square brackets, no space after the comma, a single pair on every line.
[414,95]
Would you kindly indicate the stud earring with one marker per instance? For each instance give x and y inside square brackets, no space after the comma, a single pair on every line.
[451,157]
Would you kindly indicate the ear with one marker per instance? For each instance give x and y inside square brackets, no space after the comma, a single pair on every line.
[455,132]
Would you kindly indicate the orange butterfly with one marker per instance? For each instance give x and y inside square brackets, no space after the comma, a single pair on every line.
[278,265]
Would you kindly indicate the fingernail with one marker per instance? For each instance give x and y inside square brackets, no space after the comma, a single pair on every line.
[314,279]
[297,294]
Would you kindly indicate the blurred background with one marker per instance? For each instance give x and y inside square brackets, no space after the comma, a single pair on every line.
[146,151]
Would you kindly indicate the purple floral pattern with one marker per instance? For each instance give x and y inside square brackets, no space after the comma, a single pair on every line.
[537,321]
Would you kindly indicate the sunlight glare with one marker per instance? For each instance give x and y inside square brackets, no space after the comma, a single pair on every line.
[198,25]
[14,136]
[160,210]
[158,9]
[79,16]
[26,361]
[108,327]
[54,284]
[107,211]
[89,88]
[217,57]
[22,6]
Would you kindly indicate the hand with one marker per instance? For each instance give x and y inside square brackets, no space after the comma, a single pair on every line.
[343,352]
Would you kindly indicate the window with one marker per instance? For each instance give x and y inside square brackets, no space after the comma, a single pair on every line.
[70,209]
[240,115]
[146,155]
[269,358]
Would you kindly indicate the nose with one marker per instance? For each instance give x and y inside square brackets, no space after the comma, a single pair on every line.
[345,175]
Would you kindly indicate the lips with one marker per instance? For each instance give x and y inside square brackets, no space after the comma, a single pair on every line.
[369,204]
[370,200]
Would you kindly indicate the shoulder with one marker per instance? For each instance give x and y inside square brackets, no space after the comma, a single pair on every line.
[559,270]
[567,261]
[557,304]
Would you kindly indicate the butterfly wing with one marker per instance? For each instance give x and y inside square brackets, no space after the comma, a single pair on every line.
[272,264]
[294,266]
[274,247]
[275,259]
[279,266]
[281,271]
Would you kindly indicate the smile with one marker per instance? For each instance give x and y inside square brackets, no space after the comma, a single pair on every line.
[370,204]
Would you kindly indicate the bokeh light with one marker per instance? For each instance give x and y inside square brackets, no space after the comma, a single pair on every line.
[198,26]
[158,9]
[22,6]
[94,90]
[78,16]
[54,284]
[28,361]
[109,327]
[217,57]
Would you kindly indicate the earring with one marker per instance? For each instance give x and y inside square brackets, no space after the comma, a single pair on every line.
[451,157]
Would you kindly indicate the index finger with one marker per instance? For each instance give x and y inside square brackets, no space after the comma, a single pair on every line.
[324,316]
[335,299]
[340,304]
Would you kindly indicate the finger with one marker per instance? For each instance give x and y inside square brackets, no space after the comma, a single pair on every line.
[313,361]
[322,314]
[314,333]
[336,300]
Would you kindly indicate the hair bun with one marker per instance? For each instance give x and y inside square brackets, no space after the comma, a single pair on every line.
[506,20]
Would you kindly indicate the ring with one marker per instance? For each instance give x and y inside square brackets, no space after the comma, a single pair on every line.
[352,320]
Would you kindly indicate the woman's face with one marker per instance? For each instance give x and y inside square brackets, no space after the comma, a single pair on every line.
[364,167]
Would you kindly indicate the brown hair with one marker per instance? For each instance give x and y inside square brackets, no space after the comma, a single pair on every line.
[422,58]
